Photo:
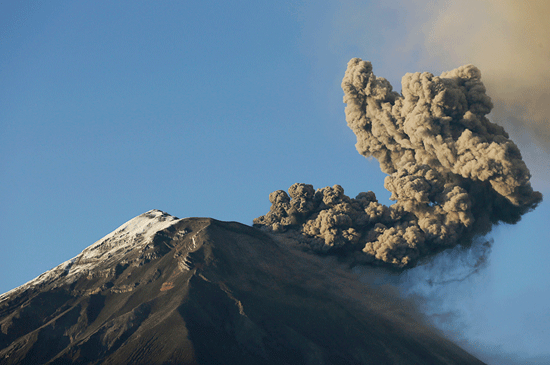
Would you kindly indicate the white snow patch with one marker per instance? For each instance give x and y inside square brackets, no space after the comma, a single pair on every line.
[137,232]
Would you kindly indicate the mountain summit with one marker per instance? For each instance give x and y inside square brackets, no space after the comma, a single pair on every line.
[163,290]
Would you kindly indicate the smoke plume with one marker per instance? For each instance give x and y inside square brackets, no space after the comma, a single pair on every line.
[509,40]
[452,173]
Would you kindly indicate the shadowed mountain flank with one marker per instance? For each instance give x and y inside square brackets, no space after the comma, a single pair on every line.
[162,290]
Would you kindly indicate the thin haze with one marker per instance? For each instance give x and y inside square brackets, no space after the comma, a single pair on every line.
[510,41]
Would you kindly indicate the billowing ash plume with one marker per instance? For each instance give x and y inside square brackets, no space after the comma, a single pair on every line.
[519,33]
[452,173]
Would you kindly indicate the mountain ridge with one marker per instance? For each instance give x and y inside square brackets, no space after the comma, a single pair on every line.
[202,291]
[141,225]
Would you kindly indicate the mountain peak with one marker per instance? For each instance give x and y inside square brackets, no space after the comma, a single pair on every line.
[163,290]
[136,232]
[108,251]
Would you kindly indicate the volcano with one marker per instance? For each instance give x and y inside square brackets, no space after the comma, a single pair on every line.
[163,290]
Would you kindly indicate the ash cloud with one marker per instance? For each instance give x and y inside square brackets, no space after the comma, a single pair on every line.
[451,172]
[509,40]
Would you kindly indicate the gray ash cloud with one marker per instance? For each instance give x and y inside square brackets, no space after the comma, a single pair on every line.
[452,173]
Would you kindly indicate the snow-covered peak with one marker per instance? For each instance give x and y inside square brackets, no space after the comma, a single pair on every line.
[134,234]
[137,231]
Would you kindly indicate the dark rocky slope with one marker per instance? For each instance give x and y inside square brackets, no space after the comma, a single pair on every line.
[201,291]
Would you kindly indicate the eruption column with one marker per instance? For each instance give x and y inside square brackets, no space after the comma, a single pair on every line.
[452,172]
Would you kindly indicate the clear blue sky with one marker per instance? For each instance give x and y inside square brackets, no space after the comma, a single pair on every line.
[202,108]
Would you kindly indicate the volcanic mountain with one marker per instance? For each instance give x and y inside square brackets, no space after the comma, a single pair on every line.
[163,290]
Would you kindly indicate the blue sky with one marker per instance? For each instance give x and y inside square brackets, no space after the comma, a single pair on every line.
[110,109]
